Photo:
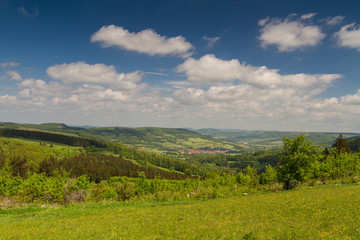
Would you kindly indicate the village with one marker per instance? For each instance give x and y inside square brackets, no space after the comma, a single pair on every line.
[202,151]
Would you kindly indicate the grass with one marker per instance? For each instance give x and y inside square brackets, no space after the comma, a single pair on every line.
[331,212]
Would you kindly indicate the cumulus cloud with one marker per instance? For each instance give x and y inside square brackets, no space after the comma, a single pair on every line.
[26,13]
[349,36]
[289,35]
[23,10]
[14,75]
[244,105]
[334,20]
[211,69]
[190,96]
[40,89]
[351,99]
[308,15]
[234,93]
[211,41]
[146,41]
[81,72]
[248,106]
[9,64]
[215,94]
[89,91]
[37,92]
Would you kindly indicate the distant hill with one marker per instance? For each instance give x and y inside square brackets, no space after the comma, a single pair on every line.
[43,126]
[354,144]
[170,140]
[270,139]
[160,140]
[163,139]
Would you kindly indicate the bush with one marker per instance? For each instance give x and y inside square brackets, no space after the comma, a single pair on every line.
[242,178]
[103,191]
[81,183]
[75,190]
[249,177]
[125,191]
[9,185]
[39,188]
[269,176]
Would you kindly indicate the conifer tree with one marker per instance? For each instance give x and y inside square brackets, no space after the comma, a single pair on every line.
[341,145]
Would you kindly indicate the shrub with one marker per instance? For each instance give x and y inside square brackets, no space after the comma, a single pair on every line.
[81,183]
[9,185]
[269,176]
[125,191]
[103,191]
[242,178]
[39,188]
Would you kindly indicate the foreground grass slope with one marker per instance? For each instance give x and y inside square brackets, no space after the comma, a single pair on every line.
[331,212]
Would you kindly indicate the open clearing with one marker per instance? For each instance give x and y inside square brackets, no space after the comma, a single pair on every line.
[331,212]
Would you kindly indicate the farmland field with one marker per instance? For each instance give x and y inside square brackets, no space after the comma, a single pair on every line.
[331,212]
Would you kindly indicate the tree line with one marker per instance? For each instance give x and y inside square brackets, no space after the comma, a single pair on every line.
[51,137]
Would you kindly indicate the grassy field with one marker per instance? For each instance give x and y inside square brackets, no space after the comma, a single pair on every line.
[331,212]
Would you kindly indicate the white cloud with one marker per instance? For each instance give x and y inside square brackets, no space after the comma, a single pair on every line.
[246,106]
[9,64]
[263,21]
[146,41]
[36,92]
[351,99]
[334,20]
[39,89]
[211,69]
[81,72]
[308,15]
[14,75]
[157,73]
[26,13]
[211,41]
[233,93]
[240,106]
[23,10]
[289,35]
[349,36]
[109,95]
[24,94]
[190,96]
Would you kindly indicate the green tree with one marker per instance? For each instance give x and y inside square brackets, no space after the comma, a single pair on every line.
[296,162]
[269,176]
[341,145]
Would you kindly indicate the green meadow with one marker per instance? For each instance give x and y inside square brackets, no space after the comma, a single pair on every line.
[327,212]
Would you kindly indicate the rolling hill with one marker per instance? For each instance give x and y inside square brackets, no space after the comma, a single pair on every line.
[270,139]
[160,140]
[170,140]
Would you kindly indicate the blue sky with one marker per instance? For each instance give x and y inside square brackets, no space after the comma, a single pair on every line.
[272,65]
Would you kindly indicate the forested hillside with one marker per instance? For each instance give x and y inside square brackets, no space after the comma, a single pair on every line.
[159,140]
[270,139]
[354,144]
[90,145]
